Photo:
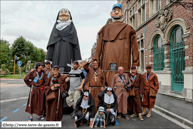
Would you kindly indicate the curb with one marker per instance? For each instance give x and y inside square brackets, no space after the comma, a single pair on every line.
[174,116]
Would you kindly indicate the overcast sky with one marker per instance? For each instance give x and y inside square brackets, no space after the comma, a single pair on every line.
[34,20]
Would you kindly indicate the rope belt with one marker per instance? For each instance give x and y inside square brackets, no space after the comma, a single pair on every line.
[84,111]
[120,88]
[96,87]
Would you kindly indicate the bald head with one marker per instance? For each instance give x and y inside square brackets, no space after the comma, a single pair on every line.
[120,70]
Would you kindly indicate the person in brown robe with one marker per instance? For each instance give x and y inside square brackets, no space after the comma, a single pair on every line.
[135,93]
[57,84]
[114,44]
[151,86]
[121,92]
[95,80]
[48,69]
[37,81]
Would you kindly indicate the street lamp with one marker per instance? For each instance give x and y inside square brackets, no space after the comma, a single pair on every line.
[186,5]
[29,64]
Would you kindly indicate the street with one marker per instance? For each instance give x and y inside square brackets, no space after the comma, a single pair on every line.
[13,100]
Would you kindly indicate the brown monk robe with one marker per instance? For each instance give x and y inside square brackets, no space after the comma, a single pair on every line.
[57,85]
[151,86]
[37,86]
[48,69]
[134,100]
[114,44]
[95,80]
[121,92]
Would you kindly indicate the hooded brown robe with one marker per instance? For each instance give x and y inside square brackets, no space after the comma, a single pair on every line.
[148,102]
[54,107]
[36,100]
[49,72]
[135,104]
[121,92]
[114,45]
[93,84]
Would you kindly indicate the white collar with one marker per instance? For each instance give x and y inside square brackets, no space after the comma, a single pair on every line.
[63,24]
[109,99]
[84,104]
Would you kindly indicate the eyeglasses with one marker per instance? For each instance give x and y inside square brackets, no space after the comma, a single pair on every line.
[85,96]
[109,90]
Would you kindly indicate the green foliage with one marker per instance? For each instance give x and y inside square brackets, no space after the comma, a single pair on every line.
[4,51]
[42,55]
[23,49]
[4,68]
[18,47]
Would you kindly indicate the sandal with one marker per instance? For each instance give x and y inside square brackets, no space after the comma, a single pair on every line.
[148,115]
[30,119]
[143,113]
[41,118]
[118,117]
[127,118]
[140,117]
[81,122]
[88,122]
[133,115]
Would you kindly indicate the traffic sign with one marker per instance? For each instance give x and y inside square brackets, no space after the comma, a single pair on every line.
[19,63]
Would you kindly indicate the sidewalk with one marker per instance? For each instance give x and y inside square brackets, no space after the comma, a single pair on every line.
[177,108]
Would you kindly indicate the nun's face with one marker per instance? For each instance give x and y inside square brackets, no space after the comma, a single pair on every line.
[109,92]
[85,97]
[64,15]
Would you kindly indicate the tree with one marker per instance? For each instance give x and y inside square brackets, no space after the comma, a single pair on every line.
[4,51]
[35,55]
[18,47]
[42,55]
[29,48]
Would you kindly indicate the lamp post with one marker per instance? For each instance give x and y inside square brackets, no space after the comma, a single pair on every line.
[186,5]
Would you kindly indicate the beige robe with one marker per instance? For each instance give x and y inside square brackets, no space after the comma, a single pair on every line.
[121,92]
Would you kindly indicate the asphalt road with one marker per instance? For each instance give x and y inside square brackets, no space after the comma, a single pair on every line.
[13,100]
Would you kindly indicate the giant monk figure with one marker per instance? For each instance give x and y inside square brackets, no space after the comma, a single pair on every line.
[63,46]
[114,44]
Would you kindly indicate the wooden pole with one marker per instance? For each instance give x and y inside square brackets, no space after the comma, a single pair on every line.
[14,65]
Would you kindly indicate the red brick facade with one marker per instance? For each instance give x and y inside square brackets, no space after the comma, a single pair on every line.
[179,12]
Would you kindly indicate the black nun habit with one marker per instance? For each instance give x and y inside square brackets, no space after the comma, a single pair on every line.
[63,46]
[90,109]
[108,102]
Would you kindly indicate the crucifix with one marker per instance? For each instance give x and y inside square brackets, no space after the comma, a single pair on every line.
[95,77]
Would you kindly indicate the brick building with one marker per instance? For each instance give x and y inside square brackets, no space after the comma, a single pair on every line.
[165,39]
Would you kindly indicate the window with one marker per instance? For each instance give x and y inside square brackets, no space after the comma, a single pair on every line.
[154,7]
[141,12]
[132,17]
[158,54]
[141,55]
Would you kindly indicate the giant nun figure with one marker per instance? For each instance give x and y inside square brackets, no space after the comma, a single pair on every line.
[63,46]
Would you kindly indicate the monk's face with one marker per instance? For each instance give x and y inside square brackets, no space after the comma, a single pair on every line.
[56,71]
[64,15]
[39,68]
[85,97]
[75,66]
[116,12]
[95,64]
[47,66]
[149,70]
[109,92]
[120,70]
[133,70]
